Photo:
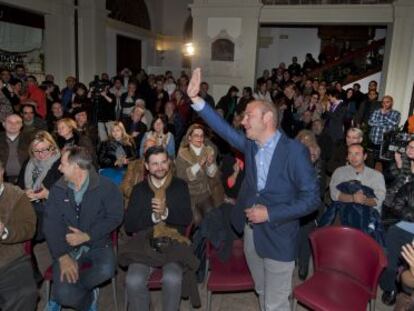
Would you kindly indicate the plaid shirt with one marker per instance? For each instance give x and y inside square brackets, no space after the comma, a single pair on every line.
[381,123]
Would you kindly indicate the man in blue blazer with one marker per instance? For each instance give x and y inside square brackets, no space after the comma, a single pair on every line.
[280,186]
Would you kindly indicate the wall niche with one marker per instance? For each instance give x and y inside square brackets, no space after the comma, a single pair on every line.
[222,50]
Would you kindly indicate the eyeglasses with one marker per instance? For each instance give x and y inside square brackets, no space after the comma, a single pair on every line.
[197,135]
[41,151]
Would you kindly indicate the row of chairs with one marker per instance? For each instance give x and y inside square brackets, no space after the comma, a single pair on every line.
[347,266]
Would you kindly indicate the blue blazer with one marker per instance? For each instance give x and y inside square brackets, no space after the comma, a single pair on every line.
[291,190]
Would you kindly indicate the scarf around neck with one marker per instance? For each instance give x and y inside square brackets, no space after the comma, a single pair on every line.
[161,229]
[159,193]
[40,168]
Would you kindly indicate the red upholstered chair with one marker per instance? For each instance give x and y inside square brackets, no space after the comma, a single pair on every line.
[347,265]
[230,276]
[48,275]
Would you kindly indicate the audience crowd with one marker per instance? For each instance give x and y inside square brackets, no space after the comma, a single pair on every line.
[174,172]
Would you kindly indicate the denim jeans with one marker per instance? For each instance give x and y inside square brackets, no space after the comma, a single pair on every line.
[79,295]
[138,292]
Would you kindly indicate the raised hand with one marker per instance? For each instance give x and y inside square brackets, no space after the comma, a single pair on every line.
[194,85]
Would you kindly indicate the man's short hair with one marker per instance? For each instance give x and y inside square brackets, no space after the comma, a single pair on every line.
[79,156]
[357,131]
[322,122]
[117,78]
[389,97]
[30,104]
[32,77]
[357,145]
[140,102]
[334,93]
[153,151]
[14,115]
[19,66]
[266,107]
[79,110]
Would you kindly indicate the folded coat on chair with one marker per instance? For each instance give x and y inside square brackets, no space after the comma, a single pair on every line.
[139,250]
[359,216]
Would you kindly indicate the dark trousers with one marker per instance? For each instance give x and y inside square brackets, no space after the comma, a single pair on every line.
[304,251]
[100,268]
[394,240]
[18,291]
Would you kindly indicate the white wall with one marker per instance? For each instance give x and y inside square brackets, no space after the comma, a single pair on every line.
[167,22]
[168,19]
[174,16]
[364,82]
[114,28]
[278,45]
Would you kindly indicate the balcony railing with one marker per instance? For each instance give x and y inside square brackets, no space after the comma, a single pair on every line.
[296,2]
[353,66]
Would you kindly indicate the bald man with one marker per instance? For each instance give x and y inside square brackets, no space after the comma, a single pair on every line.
[280,186]
[14,147]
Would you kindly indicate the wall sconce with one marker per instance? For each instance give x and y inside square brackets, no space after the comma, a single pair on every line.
[188,49]
[160,49]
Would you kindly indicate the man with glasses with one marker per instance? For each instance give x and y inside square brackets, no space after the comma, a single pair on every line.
[14,147]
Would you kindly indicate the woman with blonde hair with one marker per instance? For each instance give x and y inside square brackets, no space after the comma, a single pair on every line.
[119,149]
[196,164]
[68,136]
[323,96]
[39,173]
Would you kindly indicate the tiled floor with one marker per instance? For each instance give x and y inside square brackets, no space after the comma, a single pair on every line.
[246,301]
